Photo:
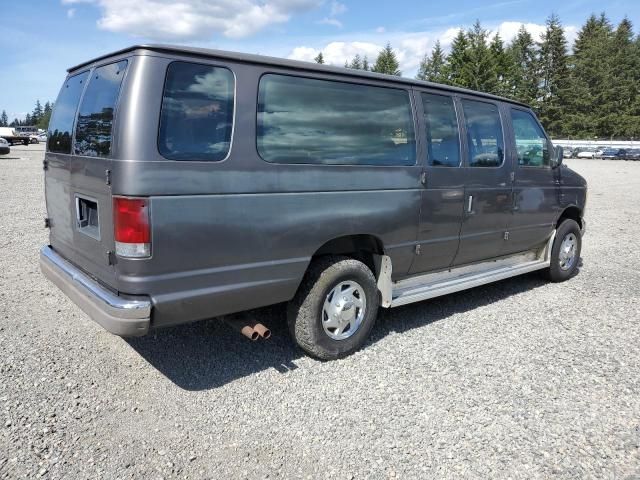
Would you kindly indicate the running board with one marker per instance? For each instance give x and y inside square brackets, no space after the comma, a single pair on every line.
[432,285]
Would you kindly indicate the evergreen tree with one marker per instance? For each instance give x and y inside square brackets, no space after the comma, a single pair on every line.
[365,64]
[456,60]
[524,77]
[319,58]
[504,67]
[553,73]
[27,120]
[387,62]
[4,119]
[37,112]
[356,63]
[480,70]
[433,67]
[620,115]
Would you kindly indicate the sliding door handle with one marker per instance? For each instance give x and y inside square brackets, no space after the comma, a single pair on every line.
[470,204]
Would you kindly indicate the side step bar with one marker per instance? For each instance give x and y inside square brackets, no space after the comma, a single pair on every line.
[432,285]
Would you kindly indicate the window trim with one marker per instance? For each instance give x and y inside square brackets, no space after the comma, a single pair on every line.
[412,112]
[461,151]
[233,116]
[116,109]
[515,145]
[502,125]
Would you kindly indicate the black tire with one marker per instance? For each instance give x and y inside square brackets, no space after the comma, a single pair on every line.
[555,272]
[34,141]
[305,311]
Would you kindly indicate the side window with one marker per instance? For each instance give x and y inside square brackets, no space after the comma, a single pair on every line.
[441,124]
[95,119]
[304,120]
[531,142]
[197,112]
[64,113]
[484,133]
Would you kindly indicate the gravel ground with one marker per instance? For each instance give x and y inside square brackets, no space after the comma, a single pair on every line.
[519,379]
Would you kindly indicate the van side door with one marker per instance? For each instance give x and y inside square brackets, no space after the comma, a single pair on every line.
[535,200]
[487,202]
[442,181]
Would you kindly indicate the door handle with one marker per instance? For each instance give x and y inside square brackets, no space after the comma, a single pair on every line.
[470,204]
[423,178]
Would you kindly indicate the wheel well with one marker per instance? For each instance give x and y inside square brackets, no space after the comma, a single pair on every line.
[573,213]
[361,247]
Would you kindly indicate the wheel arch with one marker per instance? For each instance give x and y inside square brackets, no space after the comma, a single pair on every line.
[572,212]
[363,247]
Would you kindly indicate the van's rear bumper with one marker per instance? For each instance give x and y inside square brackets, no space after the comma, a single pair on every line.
[119,315]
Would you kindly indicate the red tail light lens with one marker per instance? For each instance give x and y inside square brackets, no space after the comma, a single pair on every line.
[132,231]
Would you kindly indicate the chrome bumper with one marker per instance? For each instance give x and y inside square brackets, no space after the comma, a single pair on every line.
[118,315]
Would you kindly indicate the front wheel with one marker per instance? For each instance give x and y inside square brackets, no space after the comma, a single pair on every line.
[565,253]
[335,308]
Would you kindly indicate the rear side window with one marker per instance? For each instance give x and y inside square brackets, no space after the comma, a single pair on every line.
[531,142]
[197,112]
[484,133]
[64,113]
[303,120]
[443,141]
[95,119]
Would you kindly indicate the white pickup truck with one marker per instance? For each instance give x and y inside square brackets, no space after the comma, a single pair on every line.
[11,136]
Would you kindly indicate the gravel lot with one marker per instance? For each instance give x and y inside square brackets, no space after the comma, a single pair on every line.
[518,379]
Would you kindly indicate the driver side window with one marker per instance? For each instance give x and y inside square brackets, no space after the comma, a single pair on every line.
[531,143]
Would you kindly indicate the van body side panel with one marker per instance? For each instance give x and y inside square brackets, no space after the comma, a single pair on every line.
[216,254]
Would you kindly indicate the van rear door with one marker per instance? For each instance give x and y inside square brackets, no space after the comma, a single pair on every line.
[78,168]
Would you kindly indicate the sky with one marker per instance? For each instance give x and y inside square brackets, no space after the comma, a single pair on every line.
[40,39]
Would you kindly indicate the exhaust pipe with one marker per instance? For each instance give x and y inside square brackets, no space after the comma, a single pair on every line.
[244,327]
[261,330]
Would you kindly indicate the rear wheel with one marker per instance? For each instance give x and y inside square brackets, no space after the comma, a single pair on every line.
[565,253]
[335,307]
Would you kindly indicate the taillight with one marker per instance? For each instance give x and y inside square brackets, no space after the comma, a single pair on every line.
[131,229]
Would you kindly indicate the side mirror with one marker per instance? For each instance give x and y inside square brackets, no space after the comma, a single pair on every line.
[557,157]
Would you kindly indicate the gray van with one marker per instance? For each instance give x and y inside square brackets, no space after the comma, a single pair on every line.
[184,183]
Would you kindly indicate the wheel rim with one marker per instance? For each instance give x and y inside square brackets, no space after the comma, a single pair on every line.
[344,310]
[568,251]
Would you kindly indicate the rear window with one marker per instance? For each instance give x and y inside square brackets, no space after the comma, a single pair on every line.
[64,113]
[303,120]
[95,119]
[197,112]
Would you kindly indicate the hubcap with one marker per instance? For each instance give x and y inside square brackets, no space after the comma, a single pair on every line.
[343,310]
[568,250]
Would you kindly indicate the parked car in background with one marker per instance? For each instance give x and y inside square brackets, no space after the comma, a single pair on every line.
[632,154]
[42,137]
[587,153]
[567,152]
[4,147]
[613,154]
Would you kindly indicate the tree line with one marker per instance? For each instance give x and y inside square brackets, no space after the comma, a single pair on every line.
[39,117]
[589,91]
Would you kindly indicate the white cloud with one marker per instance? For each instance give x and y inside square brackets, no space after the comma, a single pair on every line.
[336,53]
[330,21]
[194,19]
[71,13]
[381,30]
[337,8]
[409,47]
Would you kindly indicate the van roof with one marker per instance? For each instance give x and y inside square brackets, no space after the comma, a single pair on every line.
[284,62]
